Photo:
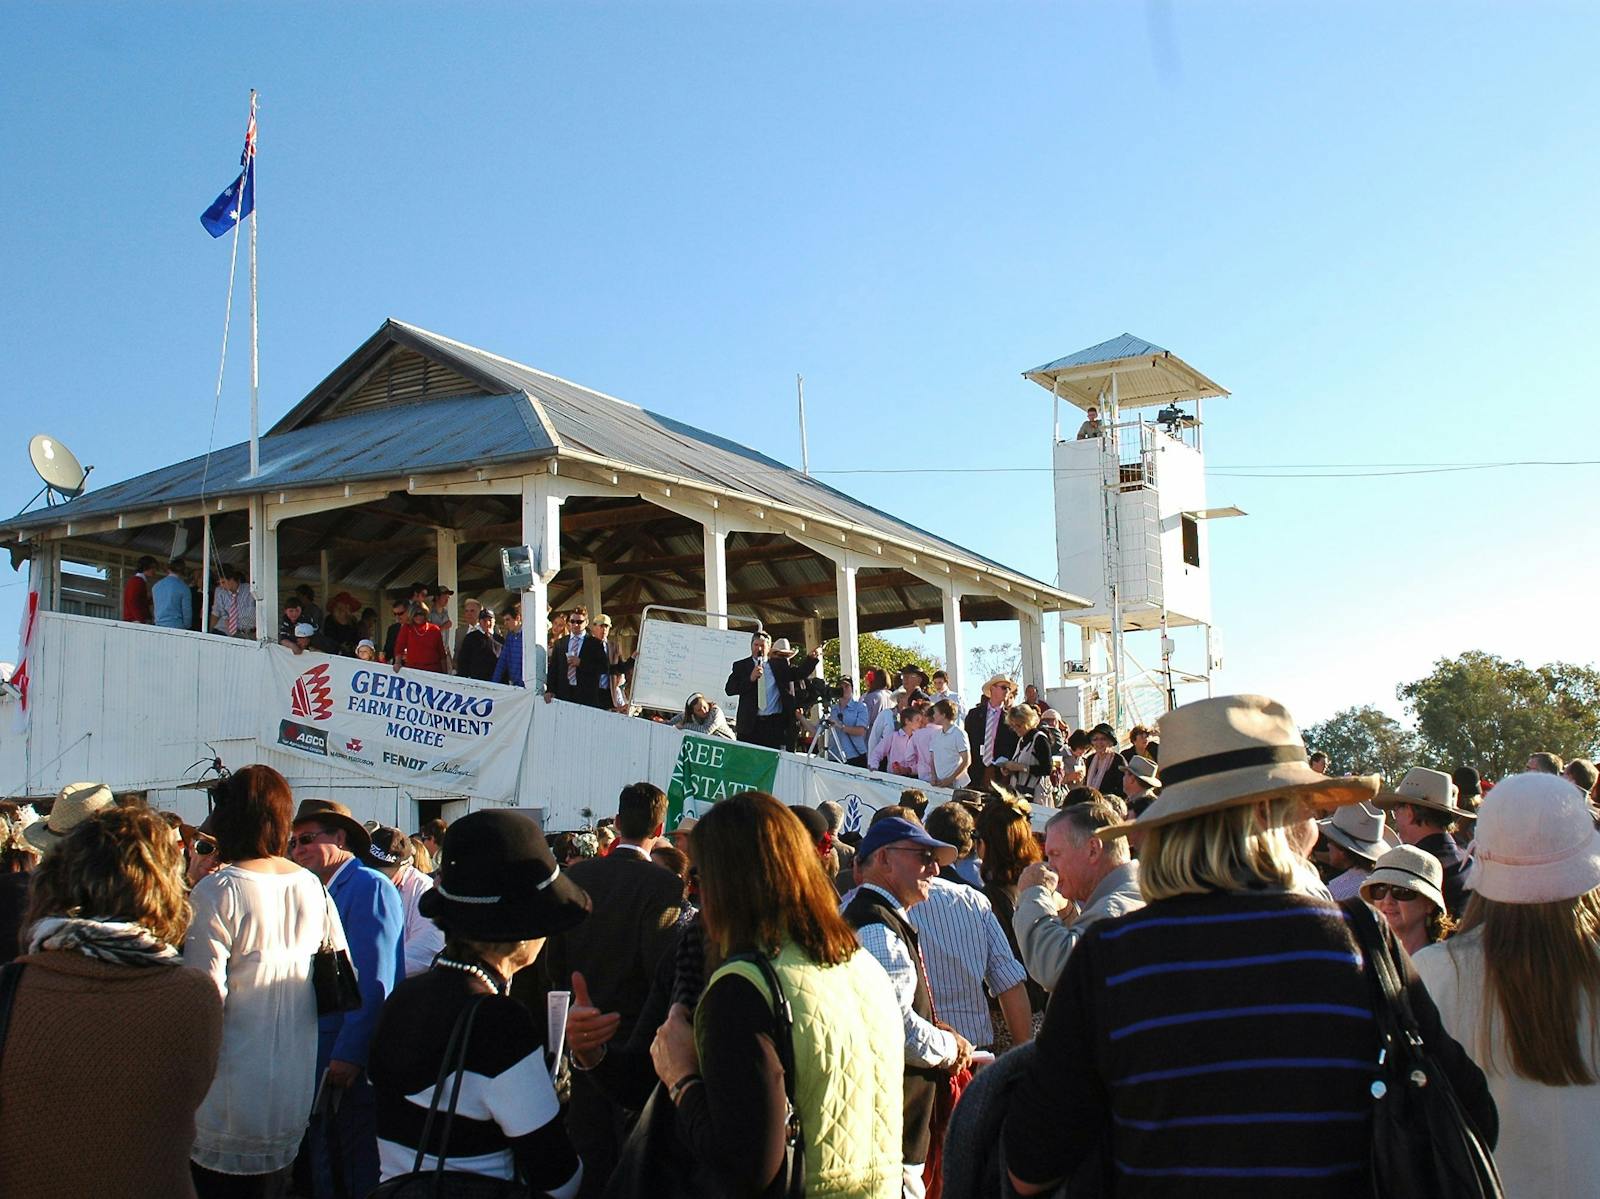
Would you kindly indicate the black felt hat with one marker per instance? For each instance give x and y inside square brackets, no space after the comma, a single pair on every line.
[498,881]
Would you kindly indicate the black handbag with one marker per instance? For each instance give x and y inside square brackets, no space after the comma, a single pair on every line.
[333,974]
[653,1165]
[440,1182]
[1424,1145]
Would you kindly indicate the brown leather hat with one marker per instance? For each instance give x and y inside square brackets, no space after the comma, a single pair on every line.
[332,814]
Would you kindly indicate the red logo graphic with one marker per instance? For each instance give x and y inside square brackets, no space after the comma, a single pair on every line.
[353,745]
[311,697]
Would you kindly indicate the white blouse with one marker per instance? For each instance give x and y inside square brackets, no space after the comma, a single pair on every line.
[424,939]
[254,934]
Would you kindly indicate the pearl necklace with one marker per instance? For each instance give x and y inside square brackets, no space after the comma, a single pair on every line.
[494,985]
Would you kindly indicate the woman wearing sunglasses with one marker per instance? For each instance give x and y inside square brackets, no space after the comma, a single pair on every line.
[1407,887]
[258,919]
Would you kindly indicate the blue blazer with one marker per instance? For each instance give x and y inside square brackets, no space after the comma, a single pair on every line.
[370,909]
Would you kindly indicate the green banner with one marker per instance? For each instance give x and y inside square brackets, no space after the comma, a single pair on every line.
[711,768]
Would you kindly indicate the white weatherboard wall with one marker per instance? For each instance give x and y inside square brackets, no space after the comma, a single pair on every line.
[135,707]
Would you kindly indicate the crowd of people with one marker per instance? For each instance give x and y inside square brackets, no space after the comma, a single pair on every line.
[1159,995]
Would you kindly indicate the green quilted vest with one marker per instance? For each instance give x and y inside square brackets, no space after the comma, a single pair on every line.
[849,1052]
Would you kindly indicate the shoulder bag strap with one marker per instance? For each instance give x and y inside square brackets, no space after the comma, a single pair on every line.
[783,1015]
[459,1066]
[10,979]
[1390,1007]
[454,1052]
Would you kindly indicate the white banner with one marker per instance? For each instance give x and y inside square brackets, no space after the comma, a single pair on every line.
[431,730]
[861,793]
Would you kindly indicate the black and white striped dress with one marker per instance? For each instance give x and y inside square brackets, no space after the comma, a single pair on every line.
[507,1121]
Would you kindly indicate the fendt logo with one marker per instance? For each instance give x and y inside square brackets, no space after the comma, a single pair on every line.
[311,697]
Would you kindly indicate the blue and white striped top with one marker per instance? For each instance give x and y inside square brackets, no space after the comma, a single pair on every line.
[1213,1044]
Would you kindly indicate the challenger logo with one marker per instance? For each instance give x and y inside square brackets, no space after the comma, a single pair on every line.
[311,698]
[299,736]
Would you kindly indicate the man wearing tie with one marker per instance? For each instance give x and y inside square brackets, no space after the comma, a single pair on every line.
[993,740]
[577,662]
[764,683]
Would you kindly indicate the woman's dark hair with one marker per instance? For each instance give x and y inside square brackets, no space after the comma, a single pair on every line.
[120,864]
[253,816]
[1008,842]
[1078,741]
[762,883]
[673,859]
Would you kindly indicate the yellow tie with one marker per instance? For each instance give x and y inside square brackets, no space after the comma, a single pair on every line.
[763,690]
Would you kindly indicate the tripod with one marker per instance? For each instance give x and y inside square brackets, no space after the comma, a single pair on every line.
[823,743]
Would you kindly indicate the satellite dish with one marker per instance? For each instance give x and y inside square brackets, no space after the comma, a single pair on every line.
[58,467]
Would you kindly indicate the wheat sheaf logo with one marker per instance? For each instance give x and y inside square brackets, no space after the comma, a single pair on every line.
[311,696]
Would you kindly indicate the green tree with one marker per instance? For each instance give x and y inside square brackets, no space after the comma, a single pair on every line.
[875,651]
[1480,710]
[1364,740]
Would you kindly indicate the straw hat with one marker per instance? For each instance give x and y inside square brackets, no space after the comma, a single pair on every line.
[1415,869]
[1426,789]
[1535,842]
[1010,684]
[75,803]
[333,814]
[1235,750]
[1359,829]
[1143,769]
[782,649]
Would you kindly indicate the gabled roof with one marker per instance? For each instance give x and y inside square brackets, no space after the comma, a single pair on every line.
[1146,375]
[477,408]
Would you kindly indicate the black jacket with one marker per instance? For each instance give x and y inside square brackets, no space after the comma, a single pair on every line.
[478,653]
[787,672]
[1005,738]
[593,661]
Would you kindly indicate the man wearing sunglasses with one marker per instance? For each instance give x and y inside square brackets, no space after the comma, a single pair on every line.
[896,862]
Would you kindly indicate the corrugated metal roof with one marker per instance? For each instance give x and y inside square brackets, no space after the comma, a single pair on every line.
[460,431]
[1124,346]
[527,414]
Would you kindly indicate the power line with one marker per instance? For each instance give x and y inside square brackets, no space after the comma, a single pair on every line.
[1302,470]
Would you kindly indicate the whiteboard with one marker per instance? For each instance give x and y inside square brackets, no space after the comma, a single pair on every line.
[676,660]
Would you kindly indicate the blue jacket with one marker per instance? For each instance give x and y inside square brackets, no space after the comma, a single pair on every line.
[373,916]
[509,667]
[174,606]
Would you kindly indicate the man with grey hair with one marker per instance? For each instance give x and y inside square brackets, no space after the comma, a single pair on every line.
[1082,880]
[834,815]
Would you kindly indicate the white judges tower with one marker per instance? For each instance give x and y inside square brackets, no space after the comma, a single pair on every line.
[1131,521]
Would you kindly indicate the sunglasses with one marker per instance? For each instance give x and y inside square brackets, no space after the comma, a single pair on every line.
[929,856]
[573,621]
[306,838]
[1385,890]
[204,848]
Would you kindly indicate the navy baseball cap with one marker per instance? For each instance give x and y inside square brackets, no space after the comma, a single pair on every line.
[897,828]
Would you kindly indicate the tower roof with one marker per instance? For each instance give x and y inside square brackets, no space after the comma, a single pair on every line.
[1147,375]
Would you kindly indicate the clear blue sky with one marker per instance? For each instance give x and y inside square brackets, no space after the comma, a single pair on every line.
[1373,223]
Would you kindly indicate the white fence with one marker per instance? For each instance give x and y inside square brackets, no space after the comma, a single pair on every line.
[136,707]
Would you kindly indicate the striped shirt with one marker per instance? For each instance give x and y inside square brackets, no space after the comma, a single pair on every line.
[964,948]
[507,1118]
[1223,1043]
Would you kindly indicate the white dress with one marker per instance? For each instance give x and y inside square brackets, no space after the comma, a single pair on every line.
[1548,1148]
[255,934]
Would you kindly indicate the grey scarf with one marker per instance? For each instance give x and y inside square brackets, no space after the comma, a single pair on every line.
[120,941]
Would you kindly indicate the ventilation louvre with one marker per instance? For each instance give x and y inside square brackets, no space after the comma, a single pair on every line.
[402,375]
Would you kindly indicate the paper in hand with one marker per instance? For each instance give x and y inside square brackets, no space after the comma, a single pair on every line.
[557,1004]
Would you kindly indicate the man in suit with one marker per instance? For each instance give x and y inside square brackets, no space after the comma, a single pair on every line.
[765,685]
[480,648]
[635,907]
[991,735]
[577,662]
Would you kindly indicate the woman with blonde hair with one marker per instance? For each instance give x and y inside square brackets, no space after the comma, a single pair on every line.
[1030,761]
[772,916]
[1221,1040]
[112,1041]
[1519,983]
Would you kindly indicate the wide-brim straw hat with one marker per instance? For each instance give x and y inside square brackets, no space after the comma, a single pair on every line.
[329,812]
[1426,789]
[1415,869]
[1010,684]
[1535,842]
[1359,829]
[75,803]
[1235,750]
[498,881]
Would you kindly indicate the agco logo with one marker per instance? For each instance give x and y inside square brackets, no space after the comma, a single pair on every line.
[311,696]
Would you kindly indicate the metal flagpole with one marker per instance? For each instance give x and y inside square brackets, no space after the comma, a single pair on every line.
[255,349]
[805,453]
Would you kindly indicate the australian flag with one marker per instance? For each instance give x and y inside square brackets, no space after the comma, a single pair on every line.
[239,200]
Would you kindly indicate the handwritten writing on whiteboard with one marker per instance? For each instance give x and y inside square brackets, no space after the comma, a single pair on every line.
[675,660]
